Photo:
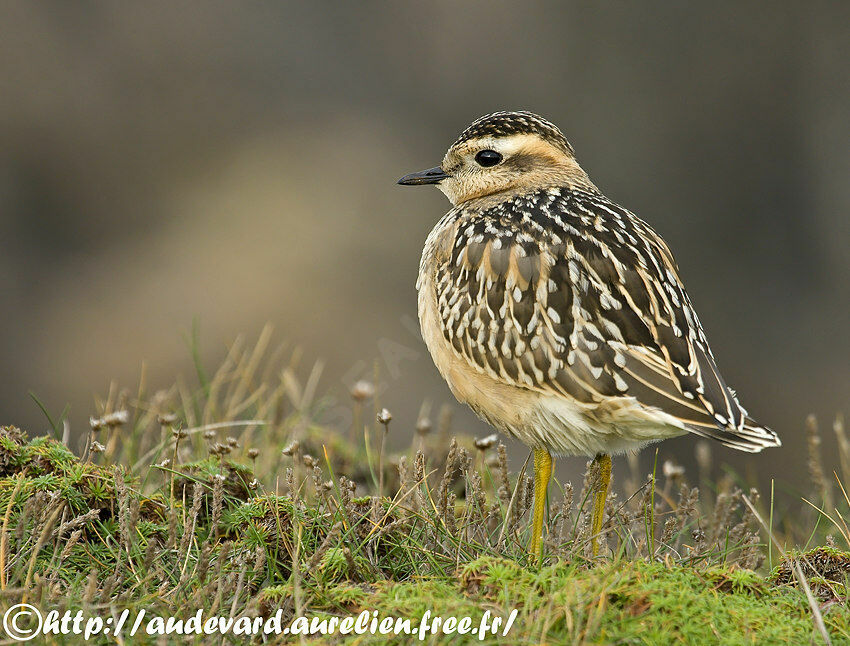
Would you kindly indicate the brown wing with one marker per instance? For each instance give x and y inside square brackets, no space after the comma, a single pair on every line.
[569,294]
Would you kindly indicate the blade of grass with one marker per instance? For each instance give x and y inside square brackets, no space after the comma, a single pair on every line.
[194,342]
[798,573]
[4,539]
[54,424]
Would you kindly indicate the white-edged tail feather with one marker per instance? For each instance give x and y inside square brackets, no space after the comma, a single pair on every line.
[751,438]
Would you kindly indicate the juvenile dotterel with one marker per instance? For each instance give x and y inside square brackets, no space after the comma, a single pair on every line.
[558,316]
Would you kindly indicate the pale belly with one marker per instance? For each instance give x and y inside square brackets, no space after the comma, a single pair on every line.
[539,419]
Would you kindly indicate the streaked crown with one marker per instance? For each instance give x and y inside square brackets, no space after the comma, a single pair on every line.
[520,122]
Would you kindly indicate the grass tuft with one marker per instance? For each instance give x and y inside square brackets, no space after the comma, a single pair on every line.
[240,497]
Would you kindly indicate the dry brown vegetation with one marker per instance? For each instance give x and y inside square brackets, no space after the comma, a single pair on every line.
[236,498]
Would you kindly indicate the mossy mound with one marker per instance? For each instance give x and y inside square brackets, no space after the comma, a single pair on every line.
[625,602]
[826,570]
[45,466]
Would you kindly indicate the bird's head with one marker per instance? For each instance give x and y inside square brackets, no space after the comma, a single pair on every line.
[501,154]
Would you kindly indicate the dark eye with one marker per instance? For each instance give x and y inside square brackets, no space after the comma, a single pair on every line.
[487,158]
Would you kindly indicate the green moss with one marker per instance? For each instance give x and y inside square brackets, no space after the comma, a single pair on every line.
[336,566]
[632,602]
[343,597]
[237,478]
[735,580]
[44,465]
[367,554]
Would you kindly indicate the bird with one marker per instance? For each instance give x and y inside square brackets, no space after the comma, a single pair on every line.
[558,316]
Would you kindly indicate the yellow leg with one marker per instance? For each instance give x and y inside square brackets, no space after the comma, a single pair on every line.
[603,461]
[542,473]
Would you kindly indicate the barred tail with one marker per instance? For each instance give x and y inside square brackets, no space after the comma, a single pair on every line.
[752,438]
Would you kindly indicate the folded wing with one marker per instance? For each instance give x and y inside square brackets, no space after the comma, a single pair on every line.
[582,299]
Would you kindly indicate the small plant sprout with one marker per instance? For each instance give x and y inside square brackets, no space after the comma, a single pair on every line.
[384,418]
[823,488]
[483,444]
[423,426]
[253,454]
[166,419]
[95,426]
[673,476]
[293,450]
[672,470]
[115,419]
[361,391]
[178,434]
[166,422]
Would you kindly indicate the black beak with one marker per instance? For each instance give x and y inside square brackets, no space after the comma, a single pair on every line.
[431,176]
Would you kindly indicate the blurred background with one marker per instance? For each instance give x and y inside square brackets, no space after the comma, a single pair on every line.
[235,164]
